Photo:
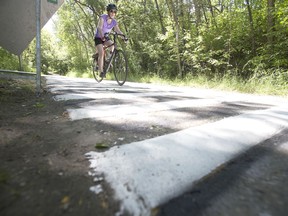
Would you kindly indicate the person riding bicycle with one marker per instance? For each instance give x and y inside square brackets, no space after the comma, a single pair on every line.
[106,23]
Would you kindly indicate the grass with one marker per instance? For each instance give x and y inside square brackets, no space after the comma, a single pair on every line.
[12,88]
[4,177]
[254,86]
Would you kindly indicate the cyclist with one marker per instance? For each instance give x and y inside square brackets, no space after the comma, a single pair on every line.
[106,23]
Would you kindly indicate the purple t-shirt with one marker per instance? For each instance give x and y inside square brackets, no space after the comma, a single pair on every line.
[106,27]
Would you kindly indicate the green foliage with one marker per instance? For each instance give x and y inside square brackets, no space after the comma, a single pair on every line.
[53,56]
[8,61]
[173,38]
[4,177]
[216,41]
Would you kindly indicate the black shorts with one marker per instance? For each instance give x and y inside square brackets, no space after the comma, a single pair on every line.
[98,41]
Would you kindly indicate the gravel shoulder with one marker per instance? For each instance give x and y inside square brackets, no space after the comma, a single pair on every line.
[43,169]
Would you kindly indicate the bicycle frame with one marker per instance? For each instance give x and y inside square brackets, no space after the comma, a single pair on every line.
[107,67]
[115,35]
[117,61]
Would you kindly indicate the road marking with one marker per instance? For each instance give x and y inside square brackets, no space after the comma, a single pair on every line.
[148,173]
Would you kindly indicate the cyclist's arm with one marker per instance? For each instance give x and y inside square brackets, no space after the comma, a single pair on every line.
[100,27]
[117,30]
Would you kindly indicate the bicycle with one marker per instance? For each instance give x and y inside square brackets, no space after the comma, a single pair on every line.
[117,60]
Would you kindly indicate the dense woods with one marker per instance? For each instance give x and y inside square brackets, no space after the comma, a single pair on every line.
[183,39]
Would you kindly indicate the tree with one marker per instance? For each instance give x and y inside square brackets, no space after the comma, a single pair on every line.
[270,20]
[251,27]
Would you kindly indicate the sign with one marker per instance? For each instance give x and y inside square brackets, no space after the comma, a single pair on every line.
[53,1]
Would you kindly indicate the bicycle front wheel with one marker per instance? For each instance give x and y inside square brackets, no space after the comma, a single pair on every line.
[120,67]
[95,70]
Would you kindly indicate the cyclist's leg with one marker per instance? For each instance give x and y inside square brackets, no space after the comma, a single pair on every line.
[96,41]
[100,50]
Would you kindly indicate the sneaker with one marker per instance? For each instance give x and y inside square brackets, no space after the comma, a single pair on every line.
[103,75]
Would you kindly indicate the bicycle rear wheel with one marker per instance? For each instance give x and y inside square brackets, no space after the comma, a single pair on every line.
[96,72]
[120,67]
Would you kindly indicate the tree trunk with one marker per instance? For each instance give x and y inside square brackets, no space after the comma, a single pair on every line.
[212,13]
[204,15]
[174,12]
[270,21]
[160,18]
[251,27]
[197,13]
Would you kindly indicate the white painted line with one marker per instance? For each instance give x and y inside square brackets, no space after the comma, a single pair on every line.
[148,173]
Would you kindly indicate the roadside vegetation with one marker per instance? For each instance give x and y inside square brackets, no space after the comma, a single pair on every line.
[238,45]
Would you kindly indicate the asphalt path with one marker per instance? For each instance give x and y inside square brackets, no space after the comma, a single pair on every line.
[205,131]
[254,183]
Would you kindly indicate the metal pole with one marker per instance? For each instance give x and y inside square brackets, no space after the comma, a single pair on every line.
[20,62]
[38,47]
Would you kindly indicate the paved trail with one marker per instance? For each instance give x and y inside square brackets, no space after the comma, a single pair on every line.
[150,172]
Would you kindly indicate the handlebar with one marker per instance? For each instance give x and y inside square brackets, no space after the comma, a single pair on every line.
[115,34]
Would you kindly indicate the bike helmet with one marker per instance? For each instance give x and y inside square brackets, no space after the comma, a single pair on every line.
[111,7]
